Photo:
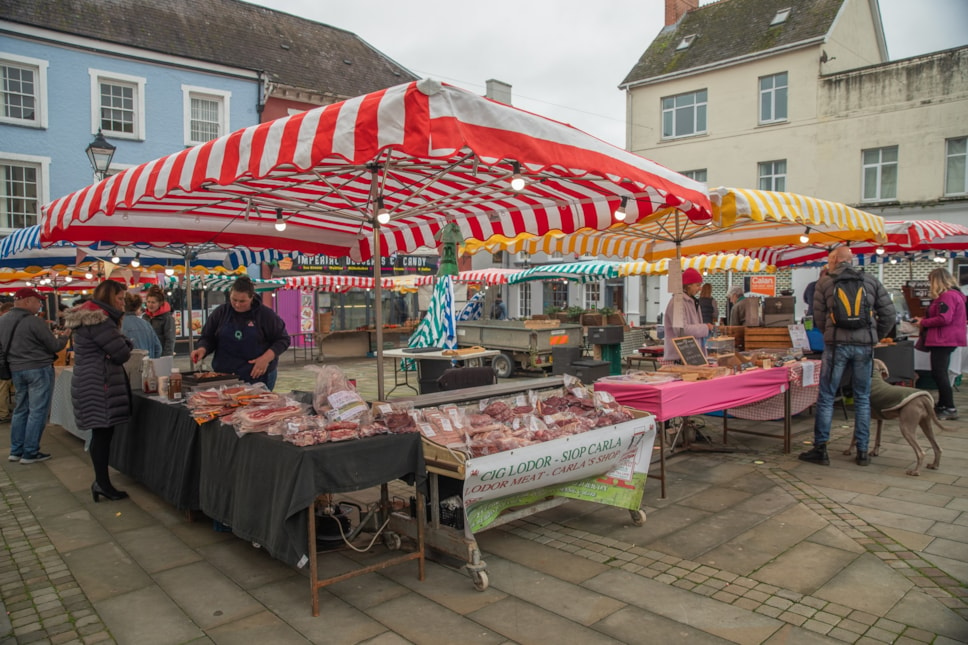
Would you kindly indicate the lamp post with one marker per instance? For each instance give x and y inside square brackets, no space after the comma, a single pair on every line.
[99,153]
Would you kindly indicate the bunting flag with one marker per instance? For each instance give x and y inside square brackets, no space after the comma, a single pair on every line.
[474,309]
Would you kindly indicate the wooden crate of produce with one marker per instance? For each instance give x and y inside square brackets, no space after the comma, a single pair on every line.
[696,372]
[738,334]
[542,324]
[767,338]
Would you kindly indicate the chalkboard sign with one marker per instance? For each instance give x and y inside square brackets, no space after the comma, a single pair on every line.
[689,351]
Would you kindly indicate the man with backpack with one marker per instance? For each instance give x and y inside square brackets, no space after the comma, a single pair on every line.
[854,311]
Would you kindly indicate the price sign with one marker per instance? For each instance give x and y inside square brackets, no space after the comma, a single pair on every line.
[689,351]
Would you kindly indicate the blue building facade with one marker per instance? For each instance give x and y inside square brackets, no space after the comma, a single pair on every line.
[58,90]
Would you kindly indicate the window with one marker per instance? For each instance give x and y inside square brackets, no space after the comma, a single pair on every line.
[20,193]
[780,17]
[684,115]
[206,114]
[773,175]
[698,175]
[686,42]
[22,84]
[773,98]
[497,258]
[524,300]
[556,294]
[119,105]
[880,174]
[592,295]
[955,168]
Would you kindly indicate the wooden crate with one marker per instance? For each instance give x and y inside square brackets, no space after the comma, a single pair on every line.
[542,324]
[767,338]
[738,334]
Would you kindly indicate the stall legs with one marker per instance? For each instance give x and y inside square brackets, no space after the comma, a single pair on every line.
[392,539]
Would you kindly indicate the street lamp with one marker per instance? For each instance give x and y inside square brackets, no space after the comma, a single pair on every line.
[99,153]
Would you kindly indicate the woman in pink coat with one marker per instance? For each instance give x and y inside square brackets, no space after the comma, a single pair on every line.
[944,328]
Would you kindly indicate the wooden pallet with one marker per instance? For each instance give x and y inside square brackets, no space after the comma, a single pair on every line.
[767,338]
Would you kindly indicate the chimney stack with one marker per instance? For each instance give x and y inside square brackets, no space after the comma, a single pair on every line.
[498,91]
[675,9]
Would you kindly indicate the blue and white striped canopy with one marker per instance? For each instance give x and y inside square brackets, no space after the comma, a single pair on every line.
[439,327]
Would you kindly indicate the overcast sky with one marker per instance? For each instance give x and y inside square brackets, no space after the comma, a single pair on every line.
[565,58]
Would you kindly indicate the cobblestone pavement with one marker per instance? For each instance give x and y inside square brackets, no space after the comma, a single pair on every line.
[749,546]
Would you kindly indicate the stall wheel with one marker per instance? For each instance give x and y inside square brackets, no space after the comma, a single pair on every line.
[392,541]
[480,580]
[638,517]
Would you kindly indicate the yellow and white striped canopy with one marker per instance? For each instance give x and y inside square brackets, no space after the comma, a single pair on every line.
[706,263]
[742,218]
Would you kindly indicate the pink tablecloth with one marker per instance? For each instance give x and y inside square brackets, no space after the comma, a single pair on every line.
[771,409]
[684,398]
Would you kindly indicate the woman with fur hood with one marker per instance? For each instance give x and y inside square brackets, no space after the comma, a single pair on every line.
[100,389]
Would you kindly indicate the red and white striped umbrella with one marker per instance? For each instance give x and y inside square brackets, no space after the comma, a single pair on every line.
[427,153]
[329,282]
[490,277]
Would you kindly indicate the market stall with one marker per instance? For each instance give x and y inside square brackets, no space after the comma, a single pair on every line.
[606,465]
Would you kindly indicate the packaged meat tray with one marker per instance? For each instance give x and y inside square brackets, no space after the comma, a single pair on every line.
[197,378]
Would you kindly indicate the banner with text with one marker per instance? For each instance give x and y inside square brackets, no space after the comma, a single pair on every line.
[607,465]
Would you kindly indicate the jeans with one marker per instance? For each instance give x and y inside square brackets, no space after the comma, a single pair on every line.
[940,357]
[34,391]
[835,360]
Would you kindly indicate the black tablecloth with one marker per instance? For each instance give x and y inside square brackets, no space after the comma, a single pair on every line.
[262,486]
[159,448]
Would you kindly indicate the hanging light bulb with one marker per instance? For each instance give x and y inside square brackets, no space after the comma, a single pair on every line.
[619,213]
[880,250]
[893,260]
[89,275]
[69,279]
[115,257]
[136,262]
[280,222]
[805,236]
[517,179]
[940,258]
[382,214]
[169,271]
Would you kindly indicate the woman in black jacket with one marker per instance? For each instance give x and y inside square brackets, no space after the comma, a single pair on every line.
[246,337]
[100,389]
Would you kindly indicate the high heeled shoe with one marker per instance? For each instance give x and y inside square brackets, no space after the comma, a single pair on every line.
[113,494]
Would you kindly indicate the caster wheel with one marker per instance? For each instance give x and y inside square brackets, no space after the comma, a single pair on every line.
[638,517]
[480,580]
[392,541]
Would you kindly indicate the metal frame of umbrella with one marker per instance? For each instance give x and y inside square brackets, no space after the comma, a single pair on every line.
[375,175]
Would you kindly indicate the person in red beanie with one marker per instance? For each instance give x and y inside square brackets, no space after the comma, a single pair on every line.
[682,315]
[30,348]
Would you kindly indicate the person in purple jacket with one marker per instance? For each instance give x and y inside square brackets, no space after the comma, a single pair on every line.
[944,328]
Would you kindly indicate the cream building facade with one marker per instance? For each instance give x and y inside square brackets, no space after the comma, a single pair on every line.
[800,96]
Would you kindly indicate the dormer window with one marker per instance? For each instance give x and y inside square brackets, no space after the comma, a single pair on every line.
[780,17]
[686,42]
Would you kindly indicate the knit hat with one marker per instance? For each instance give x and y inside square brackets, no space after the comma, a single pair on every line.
[691,276]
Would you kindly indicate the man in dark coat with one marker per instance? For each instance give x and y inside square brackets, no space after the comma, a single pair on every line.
[31,353]
[843,347]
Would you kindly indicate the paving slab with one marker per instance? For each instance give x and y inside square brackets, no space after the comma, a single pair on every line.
[263,627]
[883,586]
[451,588]
[246,565]
[206,595]
[793,635]
[147,616]
[75,530]
[539,557]
[338,621]
[833,537]
[527,624]
[911,540]
[422,621]
[693,610]
[106,570]
[768,502]
[550,593]
[804,568]
[888,518]
[636,625]
[920,610]
[715,499]
[156,550]
[914,509]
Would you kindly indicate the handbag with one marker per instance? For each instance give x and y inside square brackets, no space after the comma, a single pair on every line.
[919,344]
[5,373]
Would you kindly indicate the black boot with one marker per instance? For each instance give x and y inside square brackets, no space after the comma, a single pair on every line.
[863,458]
[816,455]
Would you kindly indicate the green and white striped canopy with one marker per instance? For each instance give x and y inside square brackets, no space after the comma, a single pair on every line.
[224,283]
[575,271]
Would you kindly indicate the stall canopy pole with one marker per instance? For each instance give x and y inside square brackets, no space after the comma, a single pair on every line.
[377,278]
